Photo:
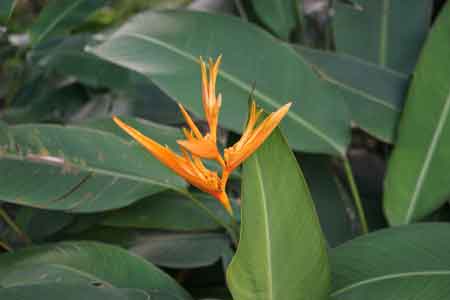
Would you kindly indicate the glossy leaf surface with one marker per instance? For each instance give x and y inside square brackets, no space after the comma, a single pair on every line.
[417,181]
[374,94]
[77,169]
[401,263]
[168,54]
[107,263]
[278,211]
[386,32]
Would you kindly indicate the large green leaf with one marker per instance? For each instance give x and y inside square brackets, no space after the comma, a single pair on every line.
[417,181]
[54,105]
[375,100]
[52,281]
[402,263]
[67,57]
[48,273]
[168,53]
[278,15]
[40,224]
[56,291]
[6,9]
[59,16]
[165,135]
[77,169]
[386,32]
[107,263]
[282,252]
[180,250]
[331,200]
[168,211]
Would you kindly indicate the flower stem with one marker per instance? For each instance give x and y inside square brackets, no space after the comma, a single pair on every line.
[356,197]
[231,228]
[4,215]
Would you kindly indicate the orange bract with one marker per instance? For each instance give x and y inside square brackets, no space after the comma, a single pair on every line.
[253,137]
[190,168]
[189,165]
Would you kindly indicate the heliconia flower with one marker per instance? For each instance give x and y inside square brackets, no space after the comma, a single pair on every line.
[189,165]
[253,137]
[191,169]
[196,143]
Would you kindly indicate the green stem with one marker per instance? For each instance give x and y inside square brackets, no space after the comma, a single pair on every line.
[356,197]
[231,228]
[14,226]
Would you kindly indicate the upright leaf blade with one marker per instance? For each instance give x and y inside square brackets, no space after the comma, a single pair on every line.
[386,32]
[282,253]
[278,15]
[60,16]
[168,54]
[405,262]
[417,181]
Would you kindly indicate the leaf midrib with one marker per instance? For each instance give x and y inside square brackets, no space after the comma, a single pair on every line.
[52,25]
[243,86]
[428,158]
[93,170]
[267,229]
[391,276]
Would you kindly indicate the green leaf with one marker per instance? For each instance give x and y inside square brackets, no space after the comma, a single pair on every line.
[59,16]
[56,291]
[166,249]
[385,32]
[6,10]
[380,92]
[39,224]
[278,15]
[50,280]
[165,135]
[417,181]
[77,169]
[282,252]
[330,198]
[56,105]
[67,57]
[46,274]
[107,263]
[402,263]
[168,211]
[168,54]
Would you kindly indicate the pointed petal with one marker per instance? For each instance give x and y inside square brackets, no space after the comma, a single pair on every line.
[163,154]
[189,121]
[257,137]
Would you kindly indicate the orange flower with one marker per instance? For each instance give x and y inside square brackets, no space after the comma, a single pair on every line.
[192,170]
[252,138]
[205,146]
[190,166]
